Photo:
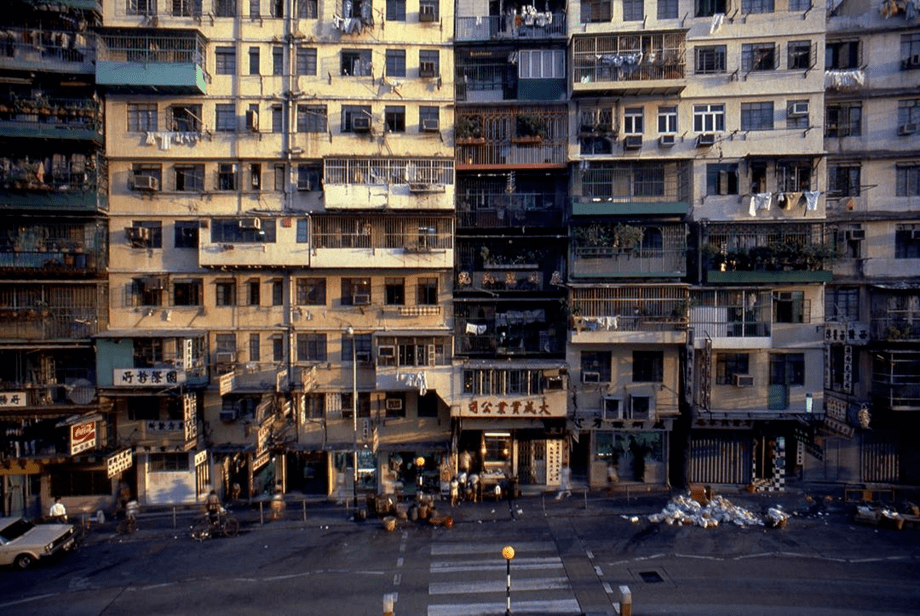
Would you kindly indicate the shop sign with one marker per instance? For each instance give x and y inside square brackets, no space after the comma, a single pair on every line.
[190,416]
[12,398]
[119,462]
[265,431]
[260,461]
[225,382]
[200,458]
[147,377]
[510,407]
[82,437]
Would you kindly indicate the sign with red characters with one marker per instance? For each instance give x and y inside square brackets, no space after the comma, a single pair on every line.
[82,437]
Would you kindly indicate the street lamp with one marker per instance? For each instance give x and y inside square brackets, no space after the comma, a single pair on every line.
[508,554]
[354,412]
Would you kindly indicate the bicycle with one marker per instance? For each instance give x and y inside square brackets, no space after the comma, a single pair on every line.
[224,526]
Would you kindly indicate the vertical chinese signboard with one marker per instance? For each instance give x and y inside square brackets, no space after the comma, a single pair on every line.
[190,416]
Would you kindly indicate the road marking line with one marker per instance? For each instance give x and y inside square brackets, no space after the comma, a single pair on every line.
[537,584]
[397,578]
[563,606]
[28,599]
[399,561]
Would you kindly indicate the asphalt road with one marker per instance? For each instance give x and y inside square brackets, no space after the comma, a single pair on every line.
[569,560]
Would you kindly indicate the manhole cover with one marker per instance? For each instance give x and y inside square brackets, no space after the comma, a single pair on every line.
[651,577]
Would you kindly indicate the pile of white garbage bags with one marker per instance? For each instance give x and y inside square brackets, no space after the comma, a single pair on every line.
[684,510]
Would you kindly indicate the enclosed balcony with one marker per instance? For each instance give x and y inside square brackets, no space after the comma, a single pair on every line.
[895,315]
[896,380]
[154,61]
[766,253]
[52,249]
[383,183]
[617,250]
[39,177]
[517,22]
[732,317]
[629,64]
[151,359]
[630,313]
[47,380]
[509,329]
[510,201]
[50,312]
[495,138]
[50,117]
[498,267]
[47,49]
[654,188]
[509,72]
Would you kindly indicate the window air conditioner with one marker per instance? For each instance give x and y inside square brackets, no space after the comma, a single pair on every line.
[590,377]
[394,404]
[387,351]
[138,235]
[426,69]
[250,223]
[225,357]
[632,142]
[145,182]
[666,141]
[798,109]
[742,380]
[361,124]
[855,234]
[430,126]
[907,129]
[706,140]
[361,299]
[228,415]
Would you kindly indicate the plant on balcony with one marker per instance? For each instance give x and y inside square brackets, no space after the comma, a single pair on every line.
[468,130]
[626,239]
[519,259]
[529,128]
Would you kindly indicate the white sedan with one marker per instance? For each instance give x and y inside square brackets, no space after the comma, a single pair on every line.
[22,543]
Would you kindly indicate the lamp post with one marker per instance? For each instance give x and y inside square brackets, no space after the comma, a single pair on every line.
[508,555]
[354,413]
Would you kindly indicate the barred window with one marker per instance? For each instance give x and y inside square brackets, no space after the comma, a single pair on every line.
[142,117]
[311,347]
[758,57]
[710,60]
[757,116]
[311,119]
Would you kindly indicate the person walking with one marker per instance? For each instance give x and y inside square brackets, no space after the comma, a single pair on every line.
[58,512]
[565,483]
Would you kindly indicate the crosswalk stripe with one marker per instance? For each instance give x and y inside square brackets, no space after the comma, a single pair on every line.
[446,549]
[448,566]
[499,585]
[561,606]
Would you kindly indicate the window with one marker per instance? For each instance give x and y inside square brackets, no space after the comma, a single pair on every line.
[710,60]
[167,462]
[908,180]
[648,366]
[793,176]
[632,121]
[428,116]
[277,348]
[309,176]
[253,60]
[226,176]
[843,180]
[708,8]
[799,55]
[909,112]
[667,120]
[186,234]
[311,347]
[279,176]
[187,292]
[595,366]
[722,179]
[799,5]
[541,64]
[254,9]
[428,10]
[667,9]
[910,51]
[730,364]
[395,291]
[907,239]
[395,118]
[225,60]
[146,291]
[225,293]
[311,119]
[277,8]
[429,63]
[362,347]
[787,369]
[277,60]
[243,230]
[396,10]
[253,347]
[633,10]
[595,11]
[184,118]
[146,176]
[790,307]
[843,120]
[756,6]
[356,62]
[189,178]
[277,118]
[757,116]
[154,229]
[225,117]
[306,61]
[253,292]
[797,114]
[427,292]
[142,7]
[356,291]
[255,176]
[708,118]
[758,57]
[224,8]
[306,9]
[842,55]
[277,292]
[396,63]
[311,291]
[303,231]
[142,117]
[350,112]
[841,303]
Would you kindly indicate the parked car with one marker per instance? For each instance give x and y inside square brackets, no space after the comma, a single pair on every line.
[23,543]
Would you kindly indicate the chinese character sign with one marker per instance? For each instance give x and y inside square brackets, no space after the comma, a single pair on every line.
[12,398]
[82,437]
[148,377]
[511,407]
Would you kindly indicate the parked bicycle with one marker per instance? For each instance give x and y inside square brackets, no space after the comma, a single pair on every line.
[223,525]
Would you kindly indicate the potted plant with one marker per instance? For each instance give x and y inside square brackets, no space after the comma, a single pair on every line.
[529,129]
[469,130]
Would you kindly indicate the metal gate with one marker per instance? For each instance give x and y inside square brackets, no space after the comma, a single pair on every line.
[879,458]
[724,458]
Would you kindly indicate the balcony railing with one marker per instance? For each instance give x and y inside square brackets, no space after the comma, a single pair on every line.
[897,325]
[50,323]
[47,50]
[629,58]
[732,313]
[628,250]
[512,137]
[630,308]
[46,117]
[499,209]
[498,27]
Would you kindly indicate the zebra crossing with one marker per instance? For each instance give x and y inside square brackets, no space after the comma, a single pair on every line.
[469,579]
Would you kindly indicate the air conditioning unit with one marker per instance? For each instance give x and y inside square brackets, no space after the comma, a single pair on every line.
[361,299]
[667,141]
[225,357]
[430,126]
[705,140]
[250,223]
[855,234]
[427,70]
[427,12]
[743,380]
[252,120]
[907,129]
[145,182]
[798,109]
[138,235]
[361,124]
[632,142]
[386,351]
[228,415]
[590,377]
[394,404]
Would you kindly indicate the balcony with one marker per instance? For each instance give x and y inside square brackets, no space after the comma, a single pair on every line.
[896,380]
[388,183]
[536,202]
[51,118]
[151,359]
[844,80]
[154,61]
[636,189]
[75,182]
[502,267]
[529,26]
[629,64]
[733,318]
[607,250]
[507,137]
[44,397]
[895,315]
[41,50]
[650,314]
[51,312]
[509,329]
[45,249]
